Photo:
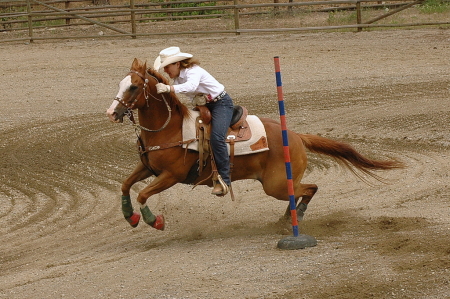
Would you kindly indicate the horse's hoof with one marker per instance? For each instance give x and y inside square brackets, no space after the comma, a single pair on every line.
[133,220]
[159,223]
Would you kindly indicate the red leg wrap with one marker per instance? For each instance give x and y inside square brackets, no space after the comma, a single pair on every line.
[159,222]
[133,220]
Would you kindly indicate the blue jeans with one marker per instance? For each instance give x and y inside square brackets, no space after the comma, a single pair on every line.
[221,113]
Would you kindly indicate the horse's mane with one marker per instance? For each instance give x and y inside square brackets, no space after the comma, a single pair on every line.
[173,100]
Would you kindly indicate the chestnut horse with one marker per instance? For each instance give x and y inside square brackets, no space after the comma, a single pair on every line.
[160,124]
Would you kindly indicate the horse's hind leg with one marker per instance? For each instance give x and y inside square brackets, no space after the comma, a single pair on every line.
[140,172]
[306,192]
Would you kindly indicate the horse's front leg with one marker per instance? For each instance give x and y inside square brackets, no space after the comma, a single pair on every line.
[139,173]
[162,182]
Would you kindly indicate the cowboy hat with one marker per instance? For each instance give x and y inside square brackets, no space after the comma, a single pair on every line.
[168,56]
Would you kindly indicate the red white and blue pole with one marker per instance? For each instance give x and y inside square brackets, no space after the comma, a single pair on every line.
[287,156]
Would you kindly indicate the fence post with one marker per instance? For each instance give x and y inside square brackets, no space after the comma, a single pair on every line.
[133,20]
[30,21]
[236,17]
[66,6]
[358,15]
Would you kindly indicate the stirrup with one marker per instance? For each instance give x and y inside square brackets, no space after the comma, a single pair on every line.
[224,186]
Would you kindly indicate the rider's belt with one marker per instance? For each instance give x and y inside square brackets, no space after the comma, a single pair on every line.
[218,98]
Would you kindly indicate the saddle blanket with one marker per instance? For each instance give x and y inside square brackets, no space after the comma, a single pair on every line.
[257,142]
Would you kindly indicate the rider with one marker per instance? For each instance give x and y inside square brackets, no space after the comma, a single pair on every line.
[192,80]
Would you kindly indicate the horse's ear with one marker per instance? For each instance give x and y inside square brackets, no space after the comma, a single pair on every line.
[145,65]
[136,64]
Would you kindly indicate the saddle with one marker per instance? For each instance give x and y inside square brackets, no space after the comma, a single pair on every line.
[239,115]
[239,130]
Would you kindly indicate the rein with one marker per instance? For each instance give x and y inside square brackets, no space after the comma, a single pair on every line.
[130,107]
[142,148]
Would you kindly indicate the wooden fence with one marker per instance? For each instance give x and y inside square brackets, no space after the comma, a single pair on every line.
[24,19]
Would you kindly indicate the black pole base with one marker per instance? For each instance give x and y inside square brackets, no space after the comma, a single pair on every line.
[300,242]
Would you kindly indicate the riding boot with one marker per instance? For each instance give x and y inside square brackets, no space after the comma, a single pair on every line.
[220,187]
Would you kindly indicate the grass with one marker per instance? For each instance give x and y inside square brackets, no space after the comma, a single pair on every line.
[435,6]
[341,18]
[187,13]
[430,10]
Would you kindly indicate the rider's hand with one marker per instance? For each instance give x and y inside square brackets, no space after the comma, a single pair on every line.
[162,88]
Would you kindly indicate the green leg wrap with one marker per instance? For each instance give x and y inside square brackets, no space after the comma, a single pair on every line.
[302,207]
[127,208]
[148,216]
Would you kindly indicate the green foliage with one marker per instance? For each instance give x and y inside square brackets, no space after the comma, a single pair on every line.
[7,19]
[435,6]
[191,13]
[341,18]
[47,23]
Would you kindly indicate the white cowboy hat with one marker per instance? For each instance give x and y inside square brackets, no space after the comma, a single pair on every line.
[168,56]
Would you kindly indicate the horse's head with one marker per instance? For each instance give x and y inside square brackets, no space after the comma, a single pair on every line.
[131,93]
[138,91]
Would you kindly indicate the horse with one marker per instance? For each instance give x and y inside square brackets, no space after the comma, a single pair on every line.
[160,120]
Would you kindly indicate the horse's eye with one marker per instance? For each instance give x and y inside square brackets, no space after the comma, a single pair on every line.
[133,88]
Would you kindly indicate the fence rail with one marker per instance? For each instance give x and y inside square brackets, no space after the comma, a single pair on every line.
[22,19]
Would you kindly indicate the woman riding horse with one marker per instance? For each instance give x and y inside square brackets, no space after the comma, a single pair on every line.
[161,118]
[196,83]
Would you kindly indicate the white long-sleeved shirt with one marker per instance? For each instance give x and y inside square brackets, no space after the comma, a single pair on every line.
[196,80]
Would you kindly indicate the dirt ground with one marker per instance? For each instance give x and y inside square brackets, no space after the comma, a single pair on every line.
[62,163]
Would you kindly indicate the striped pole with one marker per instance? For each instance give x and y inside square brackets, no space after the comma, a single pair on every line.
[287,156]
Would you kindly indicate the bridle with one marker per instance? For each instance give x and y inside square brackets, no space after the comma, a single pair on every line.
[130,106]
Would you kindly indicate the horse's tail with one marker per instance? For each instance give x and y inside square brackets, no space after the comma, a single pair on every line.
[347,155]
